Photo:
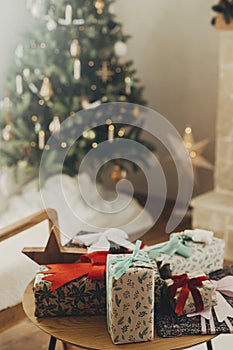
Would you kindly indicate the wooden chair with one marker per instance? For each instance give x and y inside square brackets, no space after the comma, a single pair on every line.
[12,315]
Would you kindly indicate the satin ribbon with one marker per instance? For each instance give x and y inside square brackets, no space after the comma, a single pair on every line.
[101,241]
[123,263]
[222,310]
[187,285]
[200,235]
[176,245]
[93,265]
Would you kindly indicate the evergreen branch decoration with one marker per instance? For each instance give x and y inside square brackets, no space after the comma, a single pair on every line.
[71,59]
[225,7]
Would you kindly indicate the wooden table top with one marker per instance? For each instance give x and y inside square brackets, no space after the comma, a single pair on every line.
[91,332]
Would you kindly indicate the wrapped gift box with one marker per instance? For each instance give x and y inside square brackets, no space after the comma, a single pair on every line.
[130,299]
[184,288]
[218,320]
[78,297]
[204,257]
[72,289]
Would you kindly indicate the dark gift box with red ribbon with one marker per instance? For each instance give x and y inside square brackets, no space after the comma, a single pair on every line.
[191,292]
[215,320]
[72,289]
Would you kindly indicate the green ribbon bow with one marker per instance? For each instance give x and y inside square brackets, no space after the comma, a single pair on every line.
[176,245]
[126,261]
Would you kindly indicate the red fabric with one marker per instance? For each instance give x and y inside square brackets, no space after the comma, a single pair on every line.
[93,265]
[187,285]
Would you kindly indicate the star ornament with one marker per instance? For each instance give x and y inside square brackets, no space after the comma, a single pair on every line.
[195,150]
[54,252]
[104,72]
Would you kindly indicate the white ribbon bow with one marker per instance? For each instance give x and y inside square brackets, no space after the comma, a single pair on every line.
[223,310]
[101,241]
[200,235]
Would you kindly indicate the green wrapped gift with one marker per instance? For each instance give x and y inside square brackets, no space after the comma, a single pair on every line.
[130,280]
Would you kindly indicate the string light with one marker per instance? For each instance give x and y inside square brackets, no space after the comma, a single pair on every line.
[94,145]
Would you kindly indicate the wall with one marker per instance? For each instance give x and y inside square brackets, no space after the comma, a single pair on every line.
[175,52]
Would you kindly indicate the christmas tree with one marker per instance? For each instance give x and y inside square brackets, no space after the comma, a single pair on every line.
[70,61]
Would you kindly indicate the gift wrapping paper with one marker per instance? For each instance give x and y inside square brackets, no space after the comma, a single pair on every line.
[130,302]
[205,257]
[78,297]
[168,324]
[207,292]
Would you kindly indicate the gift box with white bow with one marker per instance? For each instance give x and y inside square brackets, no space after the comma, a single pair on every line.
[191,250]
[112,239]
[217,319]
[130,297]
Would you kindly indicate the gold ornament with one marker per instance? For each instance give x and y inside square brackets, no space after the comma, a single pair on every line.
[99,5]
[75,48]
[195,150]
[46,90]
[55,125]
[118,173]
[104,72]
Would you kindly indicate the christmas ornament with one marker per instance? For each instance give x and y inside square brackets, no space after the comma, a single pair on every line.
[33,88]
[104,72]
[120,48]
[84,100]
[89,134]
[195,150]
[41,139]
[37,127]
[46,90]
[19,84]
[128,85]
[37,8]
[26,73]
[51,24]
[121,132]
[54,252]
[118,173]
[99,5]
[55,125]
[6,104]
[68,16]
[7,134]
[75,52]
[111,130]
[77,69]
[75,48]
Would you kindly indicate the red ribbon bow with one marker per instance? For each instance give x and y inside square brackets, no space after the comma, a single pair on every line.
[93,265]
[187,285]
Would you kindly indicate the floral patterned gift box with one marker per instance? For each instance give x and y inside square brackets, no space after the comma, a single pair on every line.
[72,289]
[191,292]
[185,255]
[130,297]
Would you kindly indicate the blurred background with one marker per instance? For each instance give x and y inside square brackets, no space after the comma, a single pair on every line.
[175,51]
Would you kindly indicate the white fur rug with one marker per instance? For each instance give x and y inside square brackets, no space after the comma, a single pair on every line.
[16,270]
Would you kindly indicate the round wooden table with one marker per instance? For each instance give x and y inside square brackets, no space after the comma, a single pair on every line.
[91,332]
